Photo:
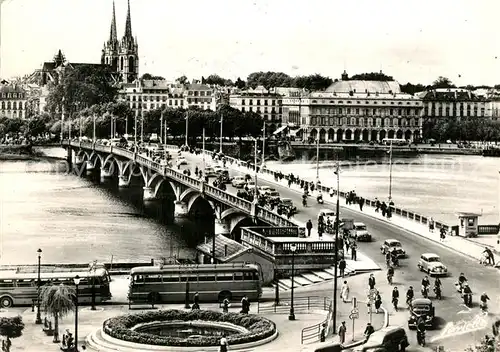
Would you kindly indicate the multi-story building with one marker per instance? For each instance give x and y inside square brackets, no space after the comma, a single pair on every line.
[453,103]
[262,101]
[13,101]
[353,110]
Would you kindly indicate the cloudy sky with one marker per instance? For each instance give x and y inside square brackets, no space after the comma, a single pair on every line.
[411,40]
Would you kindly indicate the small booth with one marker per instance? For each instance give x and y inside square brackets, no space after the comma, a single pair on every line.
[468,224]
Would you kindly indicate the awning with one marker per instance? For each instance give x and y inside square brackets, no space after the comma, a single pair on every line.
[279,130]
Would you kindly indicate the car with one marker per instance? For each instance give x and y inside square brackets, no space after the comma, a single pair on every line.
[388,339]
[219,169]
[421,307]
[209,172]
[251,185]
[362,233]
[327,213]
[393,245]
[273,195]
[181,161]
[431,264]
[238,182]
[265,189]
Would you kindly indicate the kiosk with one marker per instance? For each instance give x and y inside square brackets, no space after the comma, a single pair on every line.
[468,224]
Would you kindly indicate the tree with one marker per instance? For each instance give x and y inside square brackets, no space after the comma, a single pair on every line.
[239,83]
[11,328]
[149,76]
[269,79]
[217,80]
[410,88]
[313,82]
[81,87]
[182,79]
[372,76]
[442,82]
[58,301]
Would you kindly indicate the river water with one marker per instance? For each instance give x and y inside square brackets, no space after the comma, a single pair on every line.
[433,185]
[77,220]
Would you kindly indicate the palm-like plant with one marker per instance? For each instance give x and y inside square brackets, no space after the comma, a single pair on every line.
[58,301]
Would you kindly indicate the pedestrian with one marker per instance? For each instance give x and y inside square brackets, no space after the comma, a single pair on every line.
[322,336]
[431,225]
[342,332]
[320,231]
[371,282]
[223,344]
[331,192]
[347,245]
[378,302]
[361,203]
[342,265]
[353,251]
[395,298]
[309,226]
[369,330]
[344,292]
[225,305]
[442,235]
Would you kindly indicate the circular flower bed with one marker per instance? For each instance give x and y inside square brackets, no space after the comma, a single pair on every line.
[121,327]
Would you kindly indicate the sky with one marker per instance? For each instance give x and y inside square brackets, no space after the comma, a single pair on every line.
[413,41]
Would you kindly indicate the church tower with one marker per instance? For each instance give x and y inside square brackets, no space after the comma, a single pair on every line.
[128,53]
[110,50]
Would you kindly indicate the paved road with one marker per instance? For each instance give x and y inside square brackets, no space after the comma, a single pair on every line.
[449,310]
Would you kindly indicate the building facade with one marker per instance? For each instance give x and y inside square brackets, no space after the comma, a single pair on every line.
[454,103]
[123,55]
[266,103]
[13,101]
[352,111]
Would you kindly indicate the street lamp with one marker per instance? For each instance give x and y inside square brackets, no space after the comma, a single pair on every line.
[337,225]
[187,128]
[38,317]
[93,270]
[221,122]
[263,144]
[142,126]
[255,192]
[293,247]
[390,172]
[76,280]
[93,128]
[317,161]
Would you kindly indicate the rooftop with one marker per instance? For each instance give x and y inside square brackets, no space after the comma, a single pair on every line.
[451,94]
[356,86]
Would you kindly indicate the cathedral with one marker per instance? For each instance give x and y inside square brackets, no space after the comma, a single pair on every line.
[122,55]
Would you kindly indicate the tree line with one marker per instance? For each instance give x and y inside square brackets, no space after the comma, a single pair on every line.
[464,129]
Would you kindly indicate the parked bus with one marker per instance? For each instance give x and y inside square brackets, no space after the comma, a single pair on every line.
[20,287]
[394,141]
[213,282]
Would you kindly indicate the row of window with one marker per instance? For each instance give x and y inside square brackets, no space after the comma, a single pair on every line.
[448,112]
[12,105]
[374,102]
[13,113]
[357,121]
[257,102]
[200,277]
[13,95]
[157,105]
[457,106]
[365,112]
[259,111]
[55,281]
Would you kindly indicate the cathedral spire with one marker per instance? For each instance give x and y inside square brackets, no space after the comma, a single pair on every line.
[128,24]
[113,38]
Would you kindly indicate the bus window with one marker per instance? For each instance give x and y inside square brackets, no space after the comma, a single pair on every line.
[248,276]
[224,277]
[25,283]
[238,276]
[189,277]
[170,278]
[6,283]
[138,279]
[206,277]
[152,278]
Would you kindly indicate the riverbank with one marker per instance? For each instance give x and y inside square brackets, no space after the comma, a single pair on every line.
[18,152]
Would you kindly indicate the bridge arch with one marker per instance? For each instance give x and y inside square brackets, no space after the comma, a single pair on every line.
[163,188]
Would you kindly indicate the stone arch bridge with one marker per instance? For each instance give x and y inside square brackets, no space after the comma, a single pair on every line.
[161,181]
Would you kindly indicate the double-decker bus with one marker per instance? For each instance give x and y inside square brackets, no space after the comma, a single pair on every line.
[213,282]
[20,287]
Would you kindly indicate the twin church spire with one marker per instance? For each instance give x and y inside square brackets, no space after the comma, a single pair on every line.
[123,55]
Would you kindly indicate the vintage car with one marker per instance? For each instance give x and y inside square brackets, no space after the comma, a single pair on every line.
[392,245]
[421,307]
[181,161]
[431,264]
[209,172]
[286,206]
[388,339]
[239,182]
[361,232]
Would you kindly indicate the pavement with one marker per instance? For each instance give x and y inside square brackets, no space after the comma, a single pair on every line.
[289,339]
[416,241]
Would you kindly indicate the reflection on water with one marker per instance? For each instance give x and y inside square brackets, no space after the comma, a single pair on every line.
[434,185]
[77,220]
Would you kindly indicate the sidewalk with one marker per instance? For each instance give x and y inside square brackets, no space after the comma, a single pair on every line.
[470,247]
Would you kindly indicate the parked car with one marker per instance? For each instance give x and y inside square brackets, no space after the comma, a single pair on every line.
[362,233]
[210,172]
[421,307]
[393,245]
[388,339]
[431,264]
[181,161]
[238,182]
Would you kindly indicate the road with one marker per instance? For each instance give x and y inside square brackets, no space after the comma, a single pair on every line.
[449,310]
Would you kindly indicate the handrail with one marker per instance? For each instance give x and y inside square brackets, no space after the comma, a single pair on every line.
[299,304]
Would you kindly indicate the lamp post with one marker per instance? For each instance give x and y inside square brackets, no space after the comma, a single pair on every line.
[39,282]
[264,144]
[337,225]
[93,270]
[93,128]
[255,192]
[161,128]
[203,153]
[76,280]
[142,126]
[186,297]
[293,247]
[390,172]
[317,161]
[187,128]
[221,122]
[135,127]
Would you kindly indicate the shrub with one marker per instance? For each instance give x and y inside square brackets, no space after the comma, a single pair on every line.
[120,327]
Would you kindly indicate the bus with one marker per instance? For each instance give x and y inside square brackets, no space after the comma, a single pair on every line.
[213,282]
[394,141]
[20,287]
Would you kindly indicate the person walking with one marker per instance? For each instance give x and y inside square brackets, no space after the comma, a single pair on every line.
[342,265]
[378,302]
[354,251]
[309,226]
[368,331]
[344,292]
[225,305]
[371,282]
[342,332]
[224,345]
[395,298]
[431,225]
